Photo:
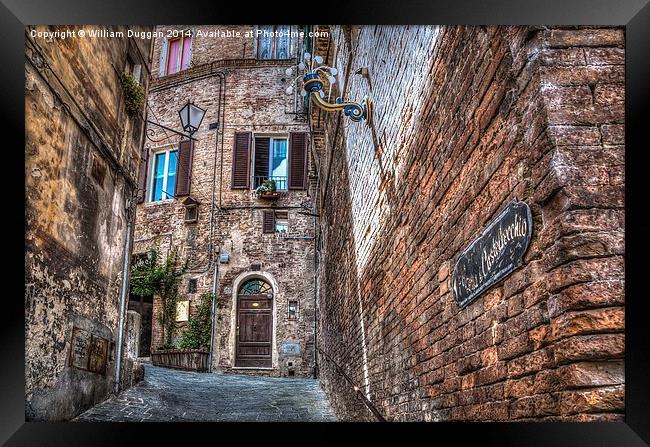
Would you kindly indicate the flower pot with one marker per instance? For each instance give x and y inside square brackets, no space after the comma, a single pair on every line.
[187,359]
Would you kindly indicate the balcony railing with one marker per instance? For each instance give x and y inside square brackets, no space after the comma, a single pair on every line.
[280,182]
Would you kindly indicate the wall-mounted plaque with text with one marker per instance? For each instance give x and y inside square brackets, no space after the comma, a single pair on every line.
[79,343]
[494,254]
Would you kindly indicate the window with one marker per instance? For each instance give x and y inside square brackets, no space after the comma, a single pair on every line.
[273,42]
[137,73]
[191,285]
[281,222]
[255,287]
[275,222]
[293,310]
[179,53]
[163,178]
[133,69]
[271,161]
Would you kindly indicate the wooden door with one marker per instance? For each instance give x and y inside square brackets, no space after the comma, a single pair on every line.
[254,330]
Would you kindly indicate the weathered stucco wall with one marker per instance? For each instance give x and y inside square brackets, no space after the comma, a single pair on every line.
[255,101]
[81,158]
[467,119]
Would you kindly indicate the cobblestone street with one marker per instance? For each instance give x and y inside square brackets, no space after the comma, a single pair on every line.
[172,395]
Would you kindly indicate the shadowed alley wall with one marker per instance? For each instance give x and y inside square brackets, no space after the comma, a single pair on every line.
[81,157]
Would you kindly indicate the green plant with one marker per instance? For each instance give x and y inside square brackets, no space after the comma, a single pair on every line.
[133,94]
[198,331]
[267,186]
[152,276]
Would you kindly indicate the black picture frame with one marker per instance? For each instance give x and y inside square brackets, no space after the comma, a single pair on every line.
[634,14]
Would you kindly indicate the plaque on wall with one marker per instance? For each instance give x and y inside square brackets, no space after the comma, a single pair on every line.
[98,353]
[182,311]
[494,254]
[291,348]
[87,351]
[79,344]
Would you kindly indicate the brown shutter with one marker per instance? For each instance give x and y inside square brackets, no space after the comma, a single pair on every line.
[297,160]
[241,160]
[261,170]
[268,221]
[142,174]
[184,168]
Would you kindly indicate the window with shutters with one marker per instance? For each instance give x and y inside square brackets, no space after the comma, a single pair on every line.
[271,161]
[273,42]
[275,222]
[177,53]
[275,157]
[163,175]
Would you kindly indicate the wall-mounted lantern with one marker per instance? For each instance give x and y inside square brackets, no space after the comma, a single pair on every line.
[191,117]
[313,74]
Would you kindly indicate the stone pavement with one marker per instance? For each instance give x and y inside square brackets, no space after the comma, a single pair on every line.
[172,395]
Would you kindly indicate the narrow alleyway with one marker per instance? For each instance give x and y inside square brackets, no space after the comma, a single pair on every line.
[171,395]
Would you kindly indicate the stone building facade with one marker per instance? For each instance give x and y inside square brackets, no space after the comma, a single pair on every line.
[81,163]
[256,254]
[465,120]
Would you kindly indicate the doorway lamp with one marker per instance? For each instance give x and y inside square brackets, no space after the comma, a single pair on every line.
[191,117]
[313,75]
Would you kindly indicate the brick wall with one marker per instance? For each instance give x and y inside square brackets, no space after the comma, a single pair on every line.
[467,119]
[81,158]
[255,101]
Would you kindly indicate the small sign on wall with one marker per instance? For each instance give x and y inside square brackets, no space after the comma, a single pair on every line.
[88,351]
[494,254]
[98,354]
[79,344]
[182,311]
[291,348]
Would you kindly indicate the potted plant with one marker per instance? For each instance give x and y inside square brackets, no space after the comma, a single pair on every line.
[267,190]
[134,97]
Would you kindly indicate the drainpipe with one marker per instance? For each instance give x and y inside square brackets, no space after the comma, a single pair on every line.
[125,287]
[215,288]
[315,296]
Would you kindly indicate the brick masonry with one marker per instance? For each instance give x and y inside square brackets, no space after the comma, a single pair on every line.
[81,157]
[467,119]
[255,101]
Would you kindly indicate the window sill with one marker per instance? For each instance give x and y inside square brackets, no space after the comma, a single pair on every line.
[158,202]
[166,75]
[275,59]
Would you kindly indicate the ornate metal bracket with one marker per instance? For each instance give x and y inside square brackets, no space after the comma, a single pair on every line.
[313,85]
[313,77]
[151,133]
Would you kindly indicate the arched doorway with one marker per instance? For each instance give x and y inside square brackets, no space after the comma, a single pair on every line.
[254,329]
